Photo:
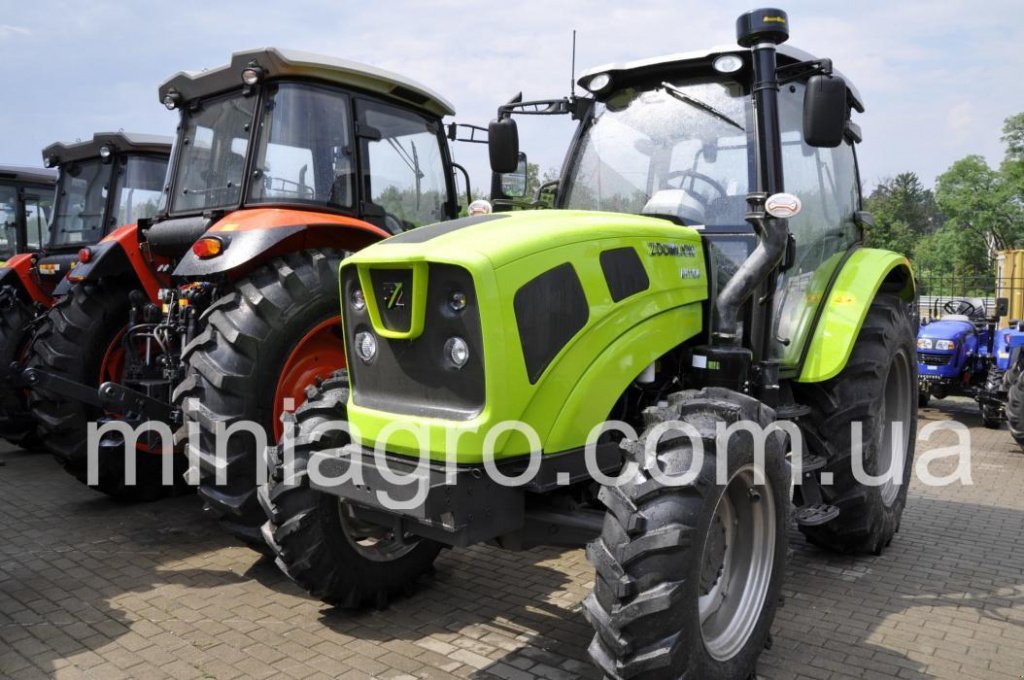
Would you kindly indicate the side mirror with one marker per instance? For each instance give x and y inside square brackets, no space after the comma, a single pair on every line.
[825,111]
[513,184]
[503,145]
[1002,306]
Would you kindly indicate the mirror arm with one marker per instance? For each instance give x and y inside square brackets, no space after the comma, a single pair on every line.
[802,70]
[453,133]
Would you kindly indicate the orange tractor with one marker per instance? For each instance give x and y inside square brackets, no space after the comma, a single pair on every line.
[224,306]
[113,178]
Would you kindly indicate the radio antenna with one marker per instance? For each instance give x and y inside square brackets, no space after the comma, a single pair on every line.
[572,83]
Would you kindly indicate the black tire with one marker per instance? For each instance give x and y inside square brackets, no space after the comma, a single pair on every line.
[653,562]
[16,315]
[233,369]
[869,515]
[305,527]
[923,398]
[992,416]
[71,343]
[1015,408]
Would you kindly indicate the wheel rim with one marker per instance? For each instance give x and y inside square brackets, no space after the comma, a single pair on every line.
[737,562]
[896,408]
[372,541]
[317,354]
[112,366]
[112,370]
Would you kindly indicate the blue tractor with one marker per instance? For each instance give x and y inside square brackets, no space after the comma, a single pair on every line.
[1004,391]
[962,353]
[954,350]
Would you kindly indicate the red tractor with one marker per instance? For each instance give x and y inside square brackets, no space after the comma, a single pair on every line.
[26,200]
[284,163]
[113,178]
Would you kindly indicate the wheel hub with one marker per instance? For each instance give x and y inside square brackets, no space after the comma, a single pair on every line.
[714,556]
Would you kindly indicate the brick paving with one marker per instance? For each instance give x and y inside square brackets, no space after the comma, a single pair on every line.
[93,589]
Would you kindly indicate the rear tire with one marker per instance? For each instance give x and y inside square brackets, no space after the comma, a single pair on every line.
[315,545]
[879,377]
[233,369]
[1015,409]
[16,315]
[669,556]
[71,342]
[923,398]
[992,417]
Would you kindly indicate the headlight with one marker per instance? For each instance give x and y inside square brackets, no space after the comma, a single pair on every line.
[945,345]
[456,351]
[358,301]
[457,301]
[924,343]
[366,346]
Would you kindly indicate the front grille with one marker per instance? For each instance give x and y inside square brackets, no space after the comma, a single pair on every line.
[931,359]
[411,377]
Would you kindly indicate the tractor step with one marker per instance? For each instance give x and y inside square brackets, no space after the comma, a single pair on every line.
[812,463]
[815,515]
[791,411]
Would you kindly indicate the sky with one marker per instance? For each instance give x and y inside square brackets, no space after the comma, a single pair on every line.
[938,77]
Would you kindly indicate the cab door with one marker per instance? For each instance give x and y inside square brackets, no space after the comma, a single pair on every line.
[826,182]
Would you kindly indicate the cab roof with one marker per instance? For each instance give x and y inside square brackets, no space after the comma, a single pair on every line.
[25,174]
[59,152]
[700,62]
[284,63]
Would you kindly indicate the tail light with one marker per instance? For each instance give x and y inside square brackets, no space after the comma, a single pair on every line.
[84,255]
[207,247]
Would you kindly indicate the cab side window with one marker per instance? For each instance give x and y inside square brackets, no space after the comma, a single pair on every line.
[825,181]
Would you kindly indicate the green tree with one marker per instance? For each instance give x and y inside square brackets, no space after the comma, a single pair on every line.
[979,203]
[904,212]
[1012,168]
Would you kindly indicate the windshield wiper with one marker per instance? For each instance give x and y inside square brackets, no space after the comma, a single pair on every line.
[682,95]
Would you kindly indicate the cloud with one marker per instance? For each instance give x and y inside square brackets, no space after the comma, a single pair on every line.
[933,74]
[8,31]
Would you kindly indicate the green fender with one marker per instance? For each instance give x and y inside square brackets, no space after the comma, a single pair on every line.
[608,377]
[846,307]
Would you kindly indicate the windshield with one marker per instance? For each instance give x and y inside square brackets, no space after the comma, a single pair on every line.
[81,202]
[305,148]
[404,171]
[675,150]
[8,221]
[211,160]
[140,185]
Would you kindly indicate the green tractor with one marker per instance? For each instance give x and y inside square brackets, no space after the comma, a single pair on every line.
[704,273]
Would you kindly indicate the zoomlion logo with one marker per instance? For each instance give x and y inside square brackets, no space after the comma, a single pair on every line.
[394,295]
[773,20]
[671,249]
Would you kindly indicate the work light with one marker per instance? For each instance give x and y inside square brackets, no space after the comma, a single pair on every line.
[457,351]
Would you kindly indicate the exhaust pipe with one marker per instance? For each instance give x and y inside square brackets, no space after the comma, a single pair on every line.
[760,30]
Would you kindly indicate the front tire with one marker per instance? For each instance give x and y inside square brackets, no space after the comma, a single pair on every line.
[234,368]
[317,542]
[689,577]
[874,391]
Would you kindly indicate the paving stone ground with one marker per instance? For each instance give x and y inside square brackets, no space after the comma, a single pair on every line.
[90,588]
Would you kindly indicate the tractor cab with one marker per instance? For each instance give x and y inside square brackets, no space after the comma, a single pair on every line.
[674,138]
[113,179]
[293,139]
[26,201]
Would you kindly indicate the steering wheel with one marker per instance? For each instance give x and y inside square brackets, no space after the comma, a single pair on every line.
[301,191]
[959,307]
[683,174]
